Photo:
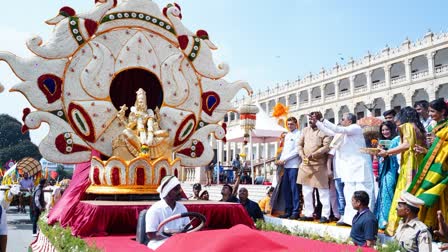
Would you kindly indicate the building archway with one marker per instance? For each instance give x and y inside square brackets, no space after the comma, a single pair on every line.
[419,64]
[315,93]
[441,58]
[398,101]
[329,115]
[360,110]
[329,89]
[380,107]
[342,110]
[420,94]
[442,92]
[360,80]
[303,97]
[292,100]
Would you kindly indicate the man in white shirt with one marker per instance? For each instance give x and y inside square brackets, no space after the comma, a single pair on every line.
[170,193]
[422,108]
[354,168]
[290,160]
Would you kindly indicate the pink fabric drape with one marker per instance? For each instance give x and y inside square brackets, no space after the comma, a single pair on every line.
[241,239]
[64,208]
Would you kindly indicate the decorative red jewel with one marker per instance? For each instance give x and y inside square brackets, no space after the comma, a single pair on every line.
[115,176]
[140,176]
[96,176]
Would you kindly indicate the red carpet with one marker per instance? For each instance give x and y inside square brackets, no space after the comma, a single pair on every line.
[243,239]
[117,243]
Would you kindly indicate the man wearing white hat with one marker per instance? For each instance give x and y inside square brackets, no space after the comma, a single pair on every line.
[167,206]
[412,234]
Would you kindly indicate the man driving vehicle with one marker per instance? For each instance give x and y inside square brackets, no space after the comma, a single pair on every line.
[167,206]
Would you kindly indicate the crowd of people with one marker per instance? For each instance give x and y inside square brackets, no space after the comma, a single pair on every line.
[327,164]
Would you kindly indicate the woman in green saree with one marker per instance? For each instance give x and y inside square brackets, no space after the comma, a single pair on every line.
[432,177]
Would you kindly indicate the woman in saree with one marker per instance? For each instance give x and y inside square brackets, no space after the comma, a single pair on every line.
[388,174]
[411,132]
[432,177]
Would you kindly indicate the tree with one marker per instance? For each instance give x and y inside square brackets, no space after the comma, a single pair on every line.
[13,144]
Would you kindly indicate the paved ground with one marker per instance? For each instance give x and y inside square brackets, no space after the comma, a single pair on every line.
[19,231]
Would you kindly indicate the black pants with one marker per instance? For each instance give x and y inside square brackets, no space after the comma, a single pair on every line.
[36,214]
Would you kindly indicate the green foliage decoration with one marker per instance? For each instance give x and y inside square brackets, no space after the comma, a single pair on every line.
[62,239]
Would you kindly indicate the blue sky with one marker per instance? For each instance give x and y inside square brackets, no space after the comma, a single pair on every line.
[264,42]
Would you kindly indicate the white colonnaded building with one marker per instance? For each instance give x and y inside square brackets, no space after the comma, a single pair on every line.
[390,79]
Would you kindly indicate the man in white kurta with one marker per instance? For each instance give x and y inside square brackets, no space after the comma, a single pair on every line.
[354,167]
[168,206]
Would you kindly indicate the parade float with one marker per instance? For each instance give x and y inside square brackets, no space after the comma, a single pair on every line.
[128,82]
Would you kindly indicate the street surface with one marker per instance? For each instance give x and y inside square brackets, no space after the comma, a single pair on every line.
[20,230]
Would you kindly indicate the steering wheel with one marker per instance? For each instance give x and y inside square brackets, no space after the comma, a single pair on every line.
[188,228]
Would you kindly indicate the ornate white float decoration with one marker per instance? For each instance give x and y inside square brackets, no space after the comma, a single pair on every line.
[94,63]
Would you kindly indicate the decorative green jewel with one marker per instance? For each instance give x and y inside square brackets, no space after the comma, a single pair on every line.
[144,149]
[138,16]
[195,49]
[74,28]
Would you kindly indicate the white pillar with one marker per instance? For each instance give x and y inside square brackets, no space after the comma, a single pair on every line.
[309,96]
[369,80]
[219,151]
[336,89]
[387,101]
[430,57]
[228,157]
[387,75]
[431,90]
[352,85]
[407,69]
[322,94]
